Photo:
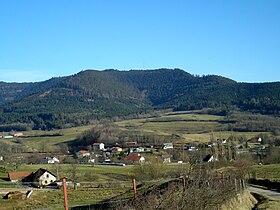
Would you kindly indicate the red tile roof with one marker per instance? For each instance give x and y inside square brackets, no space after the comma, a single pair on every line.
[84,151]
[133,157]
[18,175]
[96,144]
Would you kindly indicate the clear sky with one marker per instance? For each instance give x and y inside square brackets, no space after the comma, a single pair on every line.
[239,39]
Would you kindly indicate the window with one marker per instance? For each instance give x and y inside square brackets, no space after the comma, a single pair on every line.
[47,175]
[46,182]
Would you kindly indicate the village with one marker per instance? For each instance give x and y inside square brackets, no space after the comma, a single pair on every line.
[132,153]
[34,164]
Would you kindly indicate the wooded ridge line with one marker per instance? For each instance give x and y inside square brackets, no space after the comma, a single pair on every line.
[89,95]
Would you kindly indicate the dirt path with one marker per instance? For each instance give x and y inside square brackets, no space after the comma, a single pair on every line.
[261,191]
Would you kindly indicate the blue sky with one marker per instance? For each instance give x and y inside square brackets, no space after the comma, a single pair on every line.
[239,39]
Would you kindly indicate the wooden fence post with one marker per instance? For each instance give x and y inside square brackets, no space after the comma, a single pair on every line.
[235,183]
[134,188]
[184,181]
[65,194]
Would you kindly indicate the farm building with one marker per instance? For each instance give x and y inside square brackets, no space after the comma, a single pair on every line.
[50,160]
[98,146]
[18,176]
[41,177]
[135,158]
[82,153]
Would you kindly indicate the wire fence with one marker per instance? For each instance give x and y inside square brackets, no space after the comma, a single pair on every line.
[234,186]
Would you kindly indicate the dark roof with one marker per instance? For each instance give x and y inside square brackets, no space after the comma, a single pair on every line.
[36,175]
[207,158]
[40,172]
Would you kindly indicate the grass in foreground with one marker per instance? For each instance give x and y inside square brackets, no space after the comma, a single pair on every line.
[54,200]
[266,202]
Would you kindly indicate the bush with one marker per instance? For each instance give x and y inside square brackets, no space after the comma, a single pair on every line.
[153,169]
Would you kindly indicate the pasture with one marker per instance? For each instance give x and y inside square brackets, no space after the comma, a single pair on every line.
[187,126]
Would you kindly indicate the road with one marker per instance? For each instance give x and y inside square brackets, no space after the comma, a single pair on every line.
[261,191]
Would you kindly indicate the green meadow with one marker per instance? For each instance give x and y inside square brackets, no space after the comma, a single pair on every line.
[186,126]
[37,142]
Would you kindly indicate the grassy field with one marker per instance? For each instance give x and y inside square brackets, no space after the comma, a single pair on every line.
[266,202]
[104,182]
[82,172]
[36,143]
[89,173]
[54,200]
[111,181]
[189,126]
[271,172]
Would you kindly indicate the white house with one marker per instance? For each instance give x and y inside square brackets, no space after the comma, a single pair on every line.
[137,149]
[98,146]
[41,177]
[50,160]
[167,146]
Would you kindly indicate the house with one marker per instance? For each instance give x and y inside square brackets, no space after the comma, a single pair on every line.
[261,147]
[135,158]
[167,146]
[50,160]
[82,153]
[86,159]
[116,149]
[18,176]
[211,144]
[98,146]
[208,158]
[166,158]
[1,158]
[91,160]
[132,144]
[255,140]
[41,177]
[69,183]
[137,149]
[8,137]
[191,147]
[18,134]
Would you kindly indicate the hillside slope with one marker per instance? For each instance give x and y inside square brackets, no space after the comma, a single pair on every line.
[77,99]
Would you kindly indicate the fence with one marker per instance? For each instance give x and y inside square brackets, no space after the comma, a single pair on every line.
[227,188]
[145,188]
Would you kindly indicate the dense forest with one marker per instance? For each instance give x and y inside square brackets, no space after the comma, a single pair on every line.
[89,95]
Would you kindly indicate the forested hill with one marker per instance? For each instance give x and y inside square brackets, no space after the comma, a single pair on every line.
[10,92]
[80,98]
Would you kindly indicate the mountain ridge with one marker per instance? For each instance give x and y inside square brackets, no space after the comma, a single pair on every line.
[91,94]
